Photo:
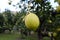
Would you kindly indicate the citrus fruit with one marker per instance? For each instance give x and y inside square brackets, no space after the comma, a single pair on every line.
[32,21]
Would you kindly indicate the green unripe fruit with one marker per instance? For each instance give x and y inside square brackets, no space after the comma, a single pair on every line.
[32,21]
[49,21]
[54,34]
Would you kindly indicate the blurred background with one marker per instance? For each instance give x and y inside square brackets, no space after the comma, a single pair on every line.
[12,19]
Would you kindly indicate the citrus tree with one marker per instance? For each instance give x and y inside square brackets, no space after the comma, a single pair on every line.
[1,22]
[10,19]
[48,17]
[8,22]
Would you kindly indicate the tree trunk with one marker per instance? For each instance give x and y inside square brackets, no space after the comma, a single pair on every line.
[52,38]
[39,35]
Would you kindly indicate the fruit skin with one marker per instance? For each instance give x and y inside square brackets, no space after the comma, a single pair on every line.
[32,21]
[54,34]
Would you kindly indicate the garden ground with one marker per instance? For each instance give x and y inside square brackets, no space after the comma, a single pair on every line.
[13,36]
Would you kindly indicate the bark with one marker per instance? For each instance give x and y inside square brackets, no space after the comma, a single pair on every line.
[39,35]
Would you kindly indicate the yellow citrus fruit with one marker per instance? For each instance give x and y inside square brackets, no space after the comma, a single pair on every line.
[58,9]
[32,21]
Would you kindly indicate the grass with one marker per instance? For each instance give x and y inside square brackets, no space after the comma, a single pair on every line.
[8,36]
[17,37]
[30,37]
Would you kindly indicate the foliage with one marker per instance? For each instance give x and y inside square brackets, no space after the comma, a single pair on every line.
[10,19]
[47,15]
[9,36]
[1,20]
[49,18]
